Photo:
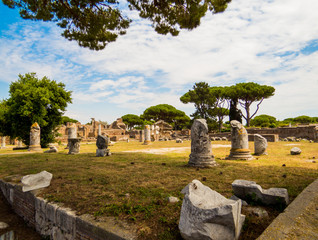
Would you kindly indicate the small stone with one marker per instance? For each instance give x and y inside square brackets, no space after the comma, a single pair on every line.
[3,225]
[36,181]
[284,165]
[172,199]
[295,151]
[259,212]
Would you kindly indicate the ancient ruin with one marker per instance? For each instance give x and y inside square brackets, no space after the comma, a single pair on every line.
[239,141]
[102,146]
[35,138]
[74,145]
[147,135]
[3,142]
[201,148]
[260,145]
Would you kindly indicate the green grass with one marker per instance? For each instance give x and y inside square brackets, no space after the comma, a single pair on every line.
[99,186]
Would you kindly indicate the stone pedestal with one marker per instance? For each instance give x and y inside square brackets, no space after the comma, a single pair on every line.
[239,148]
[102,152]
[35,138]
[147,135]
[3,142]
[71,133]
[201,148]
[102,145]
[74,145]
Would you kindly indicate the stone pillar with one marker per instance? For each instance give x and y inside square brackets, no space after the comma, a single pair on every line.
[35,138]
[260,145]
[201,148]
[74,145]
[20,144]
[147,135]
[141,136]
[239,142]
[71,133]
[102,145]
[99,129]
[3,142]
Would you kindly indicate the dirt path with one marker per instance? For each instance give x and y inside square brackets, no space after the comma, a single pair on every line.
[16,224]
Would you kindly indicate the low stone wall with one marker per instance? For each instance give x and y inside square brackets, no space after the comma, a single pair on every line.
[60,223]
[269,137]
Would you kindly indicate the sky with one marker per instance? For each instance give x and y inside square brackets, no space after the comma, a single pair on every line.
[270,42]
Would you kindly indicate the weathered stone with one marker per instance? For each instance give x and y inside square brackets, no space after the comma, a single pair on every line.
[72,131]
[74,145]
[206,214]
[239,148]
[235,198]
[172,199]
[102,142]
[3,225]
[212,138]
[147,135]
[257,211]
[224,138]
[52,149]
[35,138]
[260,145]
[178,140]
[291,139]
[20,144]
[36,181]
[141,136]
[102,152]
[295,151]
[201,148]
[250,191]
[3,142]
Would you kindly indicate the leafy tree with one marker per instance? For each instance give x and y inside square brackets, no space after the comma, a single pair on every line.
[248,93]
[3,122]
[167,113]
[66,119]
[94,23]
[35,100]
[132,120]
[264,121]
[303,119]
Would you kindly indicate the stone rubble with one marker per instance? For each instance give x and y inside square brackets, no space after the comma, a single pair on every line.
[36,181]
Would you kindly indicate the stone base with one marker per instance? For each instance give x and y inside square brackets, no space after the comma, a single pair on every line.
[147,142]
[35,148]
[201,161]
[240,154]
[102,152]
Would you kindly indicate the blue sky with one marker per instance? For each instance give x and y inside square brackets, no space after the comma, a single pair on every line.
[272,42]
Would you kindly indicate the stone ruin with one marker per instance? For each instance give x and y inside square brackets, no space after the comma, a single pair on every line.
[74,145]
[147,135]
[3,142]
[260,145]
[239,142]
[201,148]
[35,138]
[102,146]
[206,214]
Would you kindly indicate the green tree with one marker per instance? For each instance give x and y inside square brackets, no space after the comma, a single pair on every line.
[132,120]
[304,119]
[35,100]
[248,93]
[66,119]
[94,23]
[167,113]
[264,121]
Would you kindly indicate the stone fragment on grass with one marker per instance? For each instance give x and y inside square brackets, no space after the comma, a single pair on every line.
[52,149]
[260,145]
[36,181]
[172,199]
[206,214]
[295,151]
[250,191]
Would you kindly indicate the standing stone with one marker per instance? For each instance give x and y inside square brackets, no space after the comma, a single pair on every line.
[102,145]
[206,214]
[99,129]
[260,145]
[35,138]
[201,148]
[141,136]
[147,135]
[74,145]
[71,133]
[239,148]
[3,142]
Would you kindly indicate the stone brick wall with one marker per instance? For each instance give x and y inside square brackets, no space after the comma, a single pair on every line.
[60,223]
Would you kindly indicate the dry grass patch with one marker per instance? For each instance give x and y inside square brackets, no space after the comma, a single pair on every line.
[134,186]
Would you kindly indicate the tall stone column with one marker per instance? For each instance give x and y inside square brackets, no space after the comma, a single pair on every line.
[147,135]
[35,138]
[239,142]
[201,148]
[71,133]
[99,129]
[3,142]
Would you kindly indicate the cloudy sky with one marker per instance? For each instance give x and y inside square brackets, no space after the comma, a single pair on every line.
[271,42]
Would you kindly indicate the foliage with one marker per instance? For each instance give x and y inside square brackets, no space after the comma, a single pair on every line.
[35,100]
[132,120]
[66,119]
[264,121]
[94,23]
[167,113]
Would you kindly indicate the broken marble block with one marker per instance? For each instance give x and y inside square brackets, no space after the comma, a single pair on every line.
[206,214]
[295,151]
[52,149]
[36,181]
[250,191]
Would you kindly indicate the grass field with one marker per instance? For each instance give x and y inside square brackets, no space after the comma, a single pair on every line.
[133,186]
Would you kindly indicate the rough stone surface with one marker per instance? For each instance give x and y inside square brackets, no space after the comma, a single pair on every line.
[250,191]
[72,131]
[172,199]
[207,215]
[35,133]
[147,135]
[36,181]
[239,148]
[74,145]
[178,140]
[3,142]
[52,149]
[260,145]
[201,148]
[102,142]
[235,198]
[102,152]
[3,225]
[295,151]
